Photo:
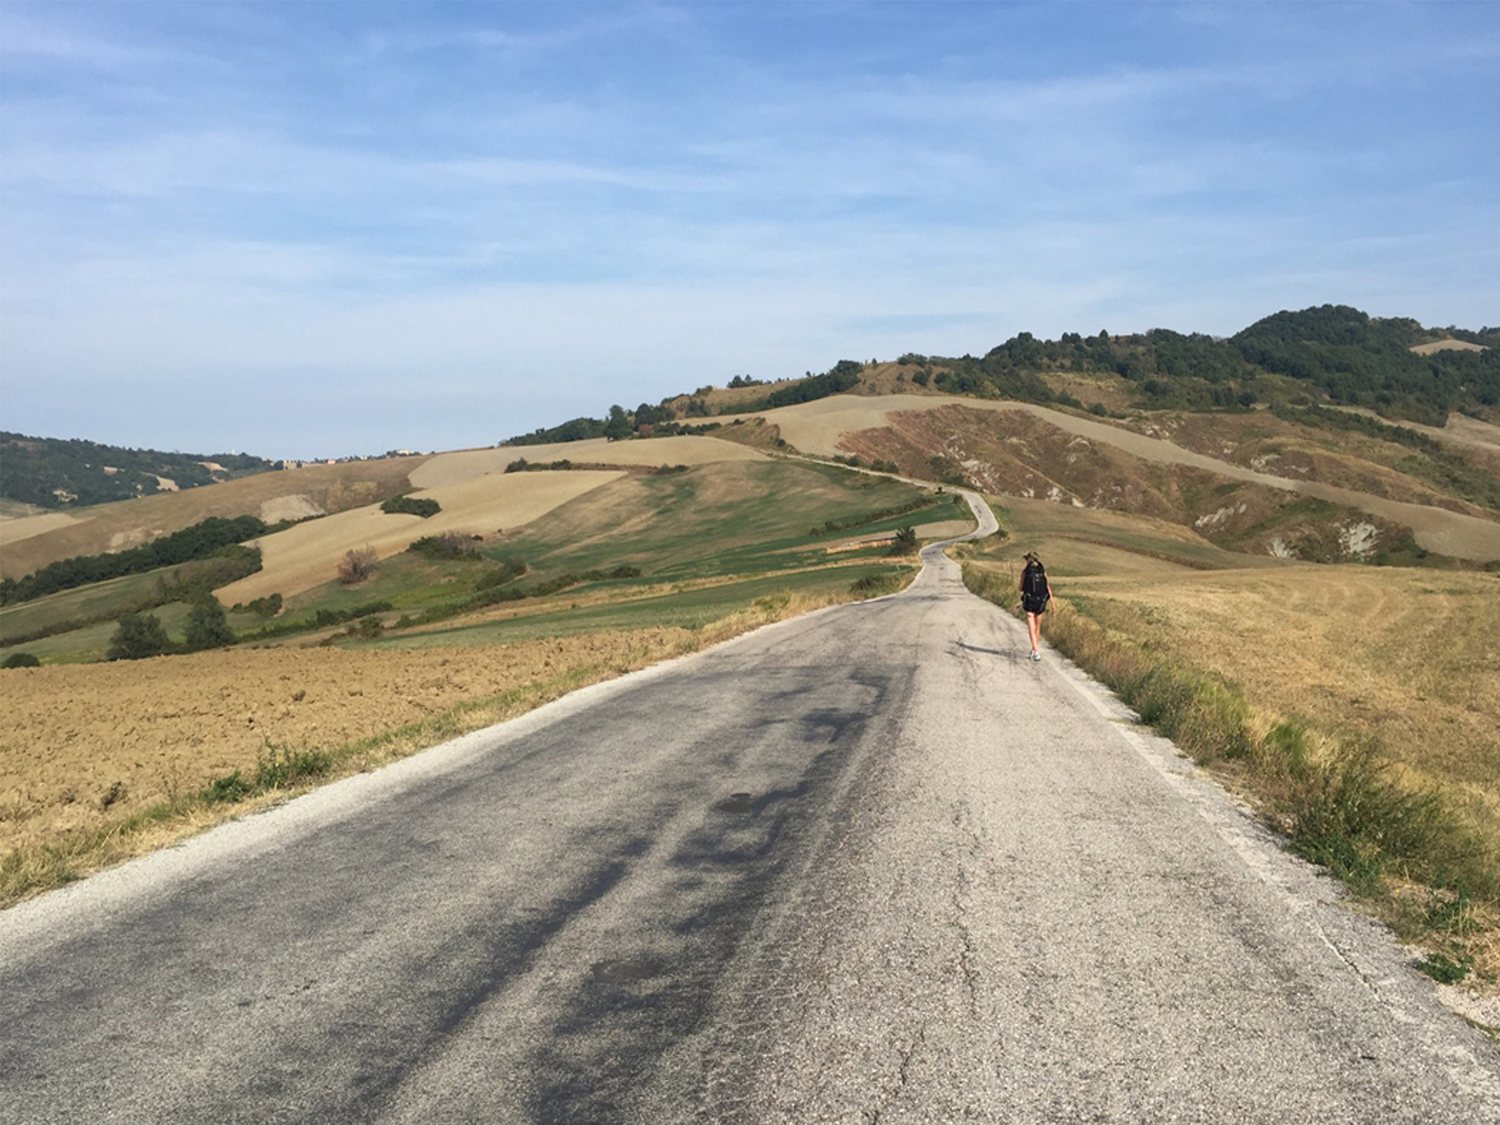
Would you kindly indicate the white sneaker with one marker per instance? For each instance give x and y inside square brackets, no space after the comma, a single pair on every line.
[1035,655]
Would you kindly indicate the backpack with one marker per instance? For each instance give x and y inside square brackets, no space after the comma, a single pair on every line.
[1034,582]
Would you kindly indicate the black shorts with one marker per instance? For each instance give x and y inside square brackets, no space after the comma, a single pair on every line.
[1033,605]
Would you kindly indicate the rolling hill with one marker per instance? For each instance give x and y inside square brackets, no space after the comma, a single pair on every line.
[49,473]
[1185,491]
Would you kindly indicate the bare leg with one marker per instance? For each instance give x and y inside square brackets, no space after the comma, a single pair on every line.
[1034,626]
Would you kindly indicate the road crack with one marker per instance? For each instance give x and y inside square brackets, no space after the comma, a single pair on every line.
[963,890]
[873,1114]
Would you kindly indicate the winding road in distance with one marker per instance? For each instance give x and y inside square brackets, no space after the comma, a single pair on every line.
[870,865]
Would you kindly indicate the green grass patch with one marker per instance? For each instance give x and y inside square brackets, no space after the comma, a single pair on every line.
[719,520]
[91,642]
[69,609]
[689,608]
[279,767]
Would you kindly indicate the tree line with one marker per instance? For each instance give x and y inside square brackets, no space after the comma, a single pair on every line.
[200,541]
[661,420]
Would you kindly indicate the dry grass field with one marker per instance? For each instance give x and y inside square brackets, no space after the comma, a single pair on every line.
[469,464]
[1446,346]
[1404,663]
[308,554]
[25,525]
[125,523]
[1408,658]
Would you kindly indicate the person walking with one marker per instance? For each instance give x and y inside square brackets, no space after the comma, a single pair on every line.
[1036,592]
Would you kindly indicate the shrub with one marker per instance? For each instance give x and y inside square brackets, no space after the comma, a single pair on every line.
[357,565]
[268,606]
[207,626]
[507,571]
[200,541]
[367,628]
[21,660]
[448,545]
[411,506]
[138,635]
[1446,970]
[227,789]
[905,542]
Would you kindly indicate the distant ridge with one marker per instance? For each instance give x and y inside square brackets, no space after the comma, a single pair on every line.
[72,472]
[1392,365]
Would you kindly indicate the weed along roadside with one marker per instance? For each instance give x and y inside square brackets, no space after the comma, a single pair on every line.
[1409,851]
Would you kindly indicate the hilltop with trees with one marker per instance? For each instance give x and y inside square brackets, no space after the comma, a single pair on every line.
[1393,366]
[70,472]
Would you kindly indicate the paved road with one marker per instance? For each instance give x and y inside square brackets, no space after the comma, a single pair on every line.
[868,866]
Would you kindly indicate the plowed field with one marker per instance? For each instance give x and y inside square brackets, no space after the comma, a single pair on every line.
[84,746]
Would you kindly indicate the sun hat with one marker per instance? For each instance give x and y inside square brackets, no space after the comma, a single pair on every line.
[1031,555]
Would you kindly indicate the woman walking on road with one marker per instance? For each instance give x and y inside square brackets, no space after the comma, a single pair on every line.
[1036,592]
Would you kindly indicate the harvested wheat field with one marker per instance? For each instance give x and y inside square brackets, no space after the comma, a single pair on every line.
[311,490]
[308,554]
[13,529]
[1449,345]
[1408,657]
[685,449]
[85,746]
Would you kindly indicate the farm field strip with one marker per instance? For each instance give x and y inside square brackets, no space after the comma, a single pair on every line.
[308,554]
[685,449]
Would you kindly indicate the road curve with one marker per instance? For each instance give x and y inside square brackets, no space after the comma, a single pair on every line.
[868,865]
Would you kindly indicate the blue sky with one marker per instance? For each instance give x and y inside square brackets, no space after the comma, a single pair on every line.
[320,229]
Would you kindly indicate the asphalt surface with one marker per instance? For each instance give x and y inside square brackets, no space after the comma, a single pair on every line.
[871,865]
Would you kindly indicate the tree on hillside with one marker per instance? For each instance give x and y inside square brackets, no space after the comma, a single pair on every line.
[617,426]
[138,635]
[207,626]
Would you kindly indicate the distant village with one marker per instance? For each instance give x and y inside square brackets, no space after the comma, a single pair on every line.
[295,463]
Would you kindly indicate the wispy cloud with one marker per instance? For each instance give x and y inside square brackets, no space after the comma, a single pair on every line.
[345,201]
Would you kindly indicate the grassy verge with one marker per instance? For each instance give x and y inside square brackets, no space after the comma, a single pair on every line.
[1403,850]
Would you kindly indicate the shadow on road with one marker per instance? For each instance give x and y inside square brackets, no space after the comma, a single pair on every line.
[987,651]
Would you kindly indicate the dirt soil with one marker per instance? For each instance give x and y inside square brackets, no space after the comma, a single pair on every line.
[83,746]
